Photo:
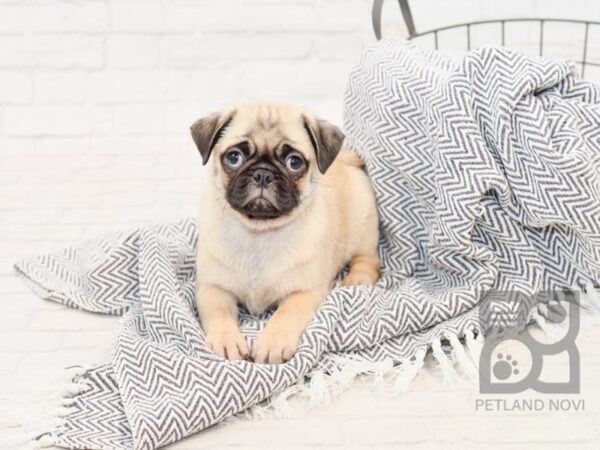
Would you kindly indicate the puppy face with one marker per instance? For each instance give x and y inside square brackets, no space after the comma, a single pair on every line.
[267,158]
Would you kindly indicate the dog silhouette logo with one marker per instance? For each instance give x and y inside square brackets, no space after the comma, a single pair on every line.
[504,316]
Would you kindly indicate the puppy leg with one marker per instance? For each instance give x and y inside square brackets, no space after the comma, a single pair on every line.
[279,340]
[364,270]
[364,265]
[219,317]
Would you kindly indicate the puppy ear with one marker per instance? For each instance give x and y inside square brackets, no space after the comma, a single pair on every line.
[327,140]
[207,131]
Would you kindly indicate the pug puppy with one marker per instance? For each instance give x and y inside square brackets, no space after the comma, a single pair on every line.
[284,209]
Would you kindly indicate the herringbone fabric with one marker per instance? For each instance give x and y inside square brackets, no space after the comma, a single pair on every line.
[486,169]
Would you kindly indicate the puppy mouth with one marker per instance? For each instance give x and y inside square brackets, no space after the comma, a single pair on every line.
[260,206]
[260,209]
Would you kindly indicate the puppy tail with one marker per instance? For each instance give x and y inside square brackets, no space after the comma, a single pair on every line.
[350,158]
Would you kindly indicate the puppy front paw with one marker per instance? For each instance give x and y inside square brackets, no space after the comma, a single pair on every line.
[228,344]
[275,345]
[358,279]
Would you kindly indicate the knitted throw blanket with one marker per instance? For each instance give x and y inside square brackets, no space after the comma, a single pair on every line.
[486,168]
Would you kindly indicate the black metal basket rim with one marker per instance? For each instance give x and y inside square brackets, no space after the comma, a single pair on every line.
[377,10]
[413,33]
[501,21]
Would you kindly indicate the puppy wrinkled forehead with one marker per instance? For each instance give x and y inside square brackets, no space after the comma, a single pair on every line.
[268,117]
[269,124]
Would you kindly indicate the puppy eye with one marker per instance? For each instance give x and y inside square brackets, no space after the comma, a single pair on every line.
[234,158]
[294,163]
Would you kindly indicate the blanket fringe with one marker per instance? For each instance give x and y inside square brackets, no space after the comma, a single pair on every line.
[590,302]
[551,331]
[589,313]
[321,386]
[29,419]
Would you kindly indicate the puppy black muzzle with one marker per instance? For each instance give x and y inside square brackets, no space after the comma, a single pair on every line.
[262,192]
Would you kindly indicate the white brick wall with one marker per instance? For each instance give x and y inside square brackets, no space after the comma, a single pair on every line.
[96,99]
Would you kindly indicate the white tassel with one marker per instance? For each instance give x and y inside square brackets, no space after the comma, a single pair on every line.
[464,362]
[381,371]
[46,441]
[590,308]
[474,341]
[552,332]
[74,389]
[317,390]
[256,412]
[281,405]
[408,372]
[36,408]
[590,299]
[348,368]
[448,373]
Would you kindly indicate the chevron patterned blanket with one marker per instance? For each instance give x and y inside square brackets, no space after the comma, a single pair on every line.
[486,168]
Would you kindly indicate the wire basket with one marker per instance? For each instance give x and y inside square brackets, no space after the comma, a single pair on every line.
[579,53]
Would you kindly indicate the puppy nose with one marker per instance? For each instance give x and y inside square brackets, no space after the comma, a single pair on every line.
[262,176]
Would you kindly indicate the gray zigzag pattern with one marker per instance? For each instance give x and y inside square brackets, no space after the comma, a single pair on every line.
[486,169]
